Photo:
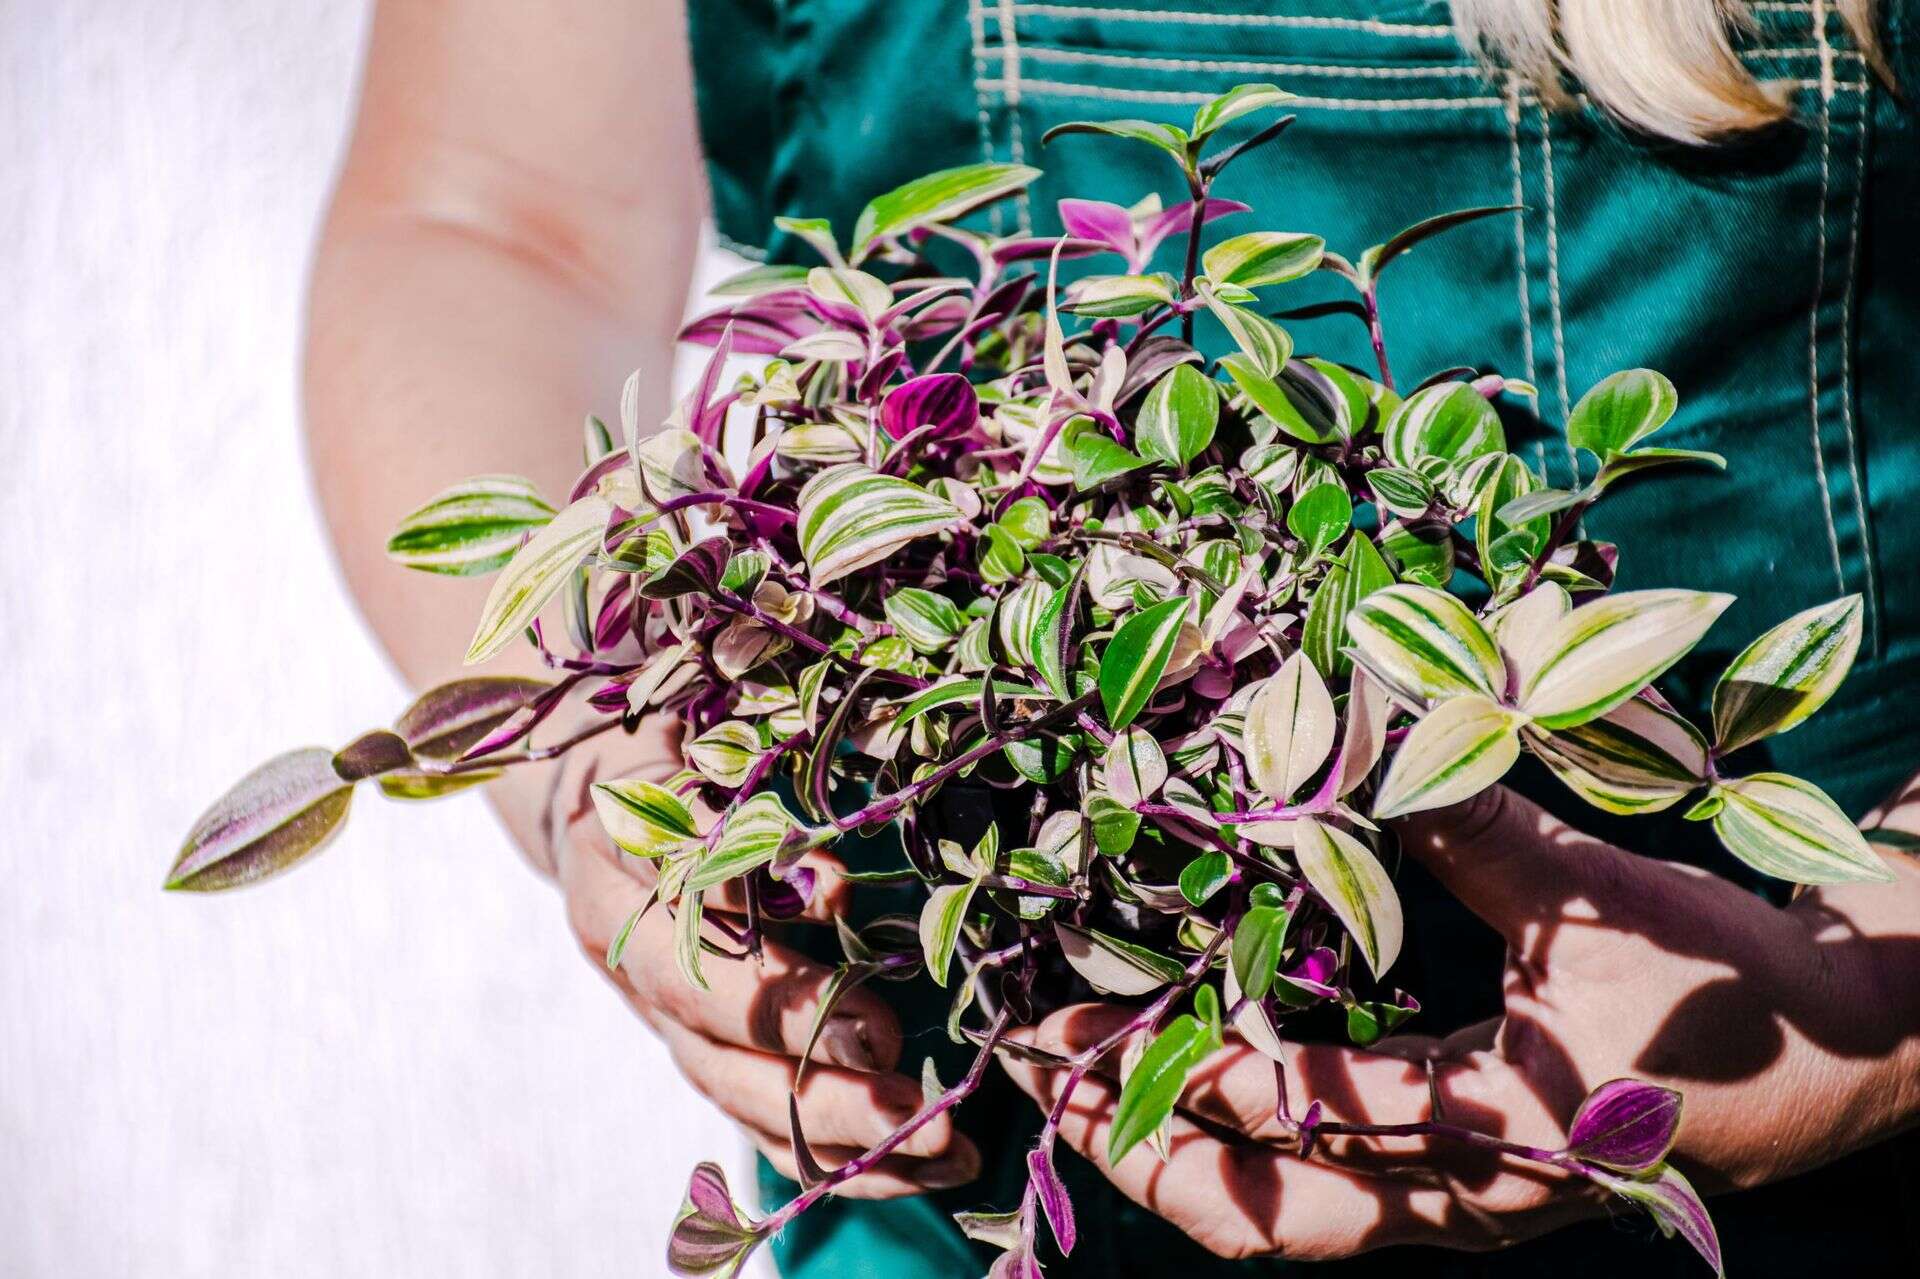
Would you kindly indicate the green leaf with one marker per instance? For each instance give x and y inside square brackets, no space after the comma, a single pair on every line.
[694,571]
[937,197]
[745,571]
[1788,828]
[1260,258]
[1321,515]
[473,527]
[762,278]
[1450,421]
[644,818]
[1463,746]
[1113,965]
[1288,731]
[536,573]
[1425,645]
[1135,659]
[1787,674]
[999,557]
[1053,631]
[1621,411]
[1094,456]
[754,835]
[1242,99]
[1289,406]
[851,516]
[618,946]
[1637,758]
[1206,875]
[940,921]
[1149,1094]
[817,233]
[1598,656]
[1350,879]
[952,692]
[1170,138]
[929,622]
[1265,345]
[1422,552]
[1113,297]
[1375,259]
[1178,417]
[1358,573]
[1407,494]
[273,818]
[1115,826]
[1027,521]
[1255,952]
[1621,465]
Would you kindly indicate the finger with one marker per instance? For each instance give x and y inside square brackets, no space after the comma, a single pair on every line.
[1517,866]
[1238,1200]
[768,1004]
[837,1107]
[894,1177]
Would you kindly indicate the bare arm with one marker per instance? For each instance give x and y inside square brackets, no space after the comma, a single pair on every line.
[510,237]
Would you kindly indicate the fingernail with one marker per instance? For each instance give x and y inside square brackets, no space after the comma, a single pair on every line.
[844,1039]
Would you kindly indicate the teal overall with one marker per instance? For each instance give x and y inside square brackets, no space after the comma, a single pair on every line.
[1777,284]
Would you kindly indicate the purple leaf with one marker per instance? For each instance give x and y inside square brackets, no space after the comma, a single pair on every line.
[1676,1207]
[944,400]
[1177,220]
[370,755]
[1054,1200]
[1625,1124]
[281,812]
[1110,224]
[701,411]
[1035,247]
[711,1236]
[1310,1129]
[445,722]
[766,325]
[695,570]
[523,721]
[811,1173]
[1018,1264]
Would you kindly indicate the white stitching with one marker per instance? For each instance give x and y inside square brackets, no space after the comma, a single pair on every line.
[1192,18]
[1010,72]
[1846,380]
[1038,54]
[1061,89]
[977,32]
[1813,322]
[1520,257]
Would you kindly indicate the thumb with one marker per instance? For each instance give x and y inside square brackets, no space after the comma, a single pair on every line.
[1516,865]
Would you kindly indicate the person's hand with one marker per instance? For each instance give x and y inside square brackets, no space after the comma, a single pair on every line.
[740,1042]
[1794,1035]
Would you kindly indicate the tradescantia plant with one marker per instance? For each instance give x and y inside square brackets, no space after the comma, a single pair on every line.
[1180,631]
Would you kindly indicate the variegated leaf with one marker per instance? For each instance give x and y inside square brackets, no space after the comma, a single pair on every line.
[1016,617]
[1178,416]
[1788,828]
[1787,674]
[536,573]
[644,818]
[725,753]
[473,527]
[1135,767]
[1450,421]
[1265,344]
[1242,99]
[865,293]
[852,516]
[1350,879]
[1637,758]
[1365,737]
[1599,655]
[276,816]
[686,938]
[1621,411]
[929,622]
[754,835]
[936,197]
[445,722]
[1289,729]
[1113,965]
[1260,258]
[940,921]
[1118,296]
[1424,645]
[1522,628]
[672,463]
[1135,659]
[1463,746]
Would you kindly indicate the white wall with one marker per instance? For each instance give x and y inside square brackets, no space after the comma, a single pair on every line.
[392,1062]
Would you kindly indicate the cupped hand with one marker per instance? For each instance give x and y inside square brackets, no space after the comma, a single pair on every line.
[1793,1034]
[740,1043]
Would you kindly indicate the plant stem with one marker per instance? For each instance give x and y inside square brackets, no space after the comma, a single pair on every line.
[1197,188]
[1370,300]
[1451,1132]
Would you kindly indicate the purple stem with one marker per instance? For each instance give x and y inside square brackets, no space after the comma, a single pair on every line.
[1370,300]
[525,757]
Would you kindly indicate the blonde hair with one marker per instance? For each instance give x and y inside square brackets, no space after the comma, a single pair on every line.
[1664,67]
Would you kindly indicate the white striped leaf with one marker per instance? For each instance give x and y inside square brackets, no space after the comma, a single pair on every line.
[672,463]
[1265,343]
[1425,645]
[940,921]
[1263,257]
[1602,653]
[473,527]
[1104,297]
[1788,828]
[1522,627]
[644,818]
[1450,421]
[1288,732]
[1353,883]
[1017,616]
[1787,674]
[927,621]
[282,812]
[1240,100]
[1178,417]
[864,293]
[1135,767]
[1135,659]
[725,753]
[852,516]
[1365,738]
[754,835]
[1463,746]
[536,573]
[686,938]
[1637,758]
[1114,966]
[1621,411]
